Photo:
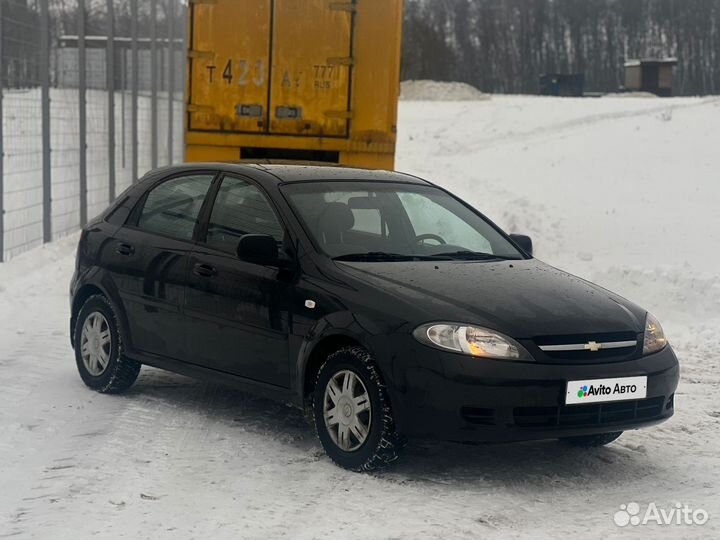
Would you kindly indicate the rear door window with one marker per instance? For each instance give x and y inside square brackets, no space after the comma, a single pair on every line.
[172,208]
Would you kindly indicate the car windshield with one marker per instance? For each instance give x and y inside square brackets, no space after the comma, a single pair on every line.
[379,222]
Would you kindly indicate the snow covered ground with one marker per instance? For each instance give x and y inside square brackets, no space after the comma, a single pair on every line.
[621,191]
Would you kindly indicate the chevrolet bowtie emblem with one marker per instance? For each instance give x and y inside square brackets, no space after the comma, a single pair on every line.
[593,346]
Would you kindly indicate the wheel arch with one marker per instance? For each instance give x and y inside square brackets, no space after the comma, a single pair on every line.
[315,358]
[86,291]
[313,353]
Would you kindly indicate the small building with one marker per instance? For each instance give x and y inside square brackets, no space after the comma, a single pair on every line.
[652,75]
[562,84]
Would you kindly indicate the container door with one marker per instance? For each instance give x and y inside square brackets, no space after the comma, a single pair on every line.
[229,63]
[311,58]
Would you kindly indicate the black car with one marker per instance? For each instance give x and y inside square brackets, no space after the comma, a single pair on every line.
[380,303]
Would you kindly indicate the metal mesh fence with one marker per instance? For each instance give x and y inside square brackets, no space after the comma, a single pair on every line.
[91,98]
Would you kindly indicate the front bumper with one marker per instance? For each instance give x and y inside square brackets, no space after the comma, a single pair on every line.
[453,397]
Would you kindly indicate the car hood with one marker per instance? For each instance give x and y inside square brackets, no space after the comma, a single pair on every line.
[523,299]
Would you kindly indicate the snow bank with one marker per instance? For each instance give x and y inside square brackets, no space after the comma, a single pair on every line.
[632,95]
[425,90]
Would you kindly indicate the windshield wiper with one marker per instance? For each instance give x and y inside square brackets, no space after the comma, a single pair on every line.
[381,256]
[468,255]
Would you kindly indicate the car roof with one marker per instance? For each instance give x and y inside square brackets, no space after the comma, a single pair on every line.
[282,173]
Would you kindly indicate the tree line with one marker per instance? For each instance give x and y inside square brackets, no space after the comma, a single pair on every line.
[504,46]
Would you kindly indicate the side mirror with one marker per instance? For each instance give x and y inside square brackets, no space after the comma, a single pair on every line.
[525,242]
[258,249]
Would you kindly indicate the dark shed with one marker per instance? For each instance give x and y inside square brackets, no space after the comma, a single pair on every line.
[650,75]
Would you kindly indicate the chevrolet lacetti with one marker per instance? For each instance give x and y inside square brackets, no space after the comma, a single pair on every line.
[381,304]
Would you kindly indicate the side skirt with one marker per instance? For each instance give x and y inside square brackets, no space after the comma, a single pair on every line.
[261,389]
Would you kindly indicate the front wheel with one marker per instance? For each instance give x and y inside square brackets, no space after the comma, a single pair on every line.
[592,441]
[352,412]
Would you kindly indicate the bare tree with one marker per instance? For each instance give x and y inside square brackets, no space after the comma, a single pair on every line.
[505,45]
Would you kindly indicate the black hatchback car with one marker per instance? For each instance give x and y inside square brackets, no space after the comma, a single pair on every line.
[380,303]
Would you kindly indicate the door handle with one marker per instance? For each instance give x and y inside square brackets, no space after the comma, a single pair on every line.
[204,270]
[125,249]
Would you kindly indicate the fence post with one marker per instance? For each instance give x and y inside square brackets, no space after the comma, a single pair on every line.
[171,77]
[123,106]
[110,74]
[45,105]
[184,37]
[153,85]
[2,150]
[82,111]
[134,98]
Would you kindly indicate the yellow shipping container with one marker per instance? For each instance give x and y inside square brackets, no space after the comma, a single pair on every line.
[314,80]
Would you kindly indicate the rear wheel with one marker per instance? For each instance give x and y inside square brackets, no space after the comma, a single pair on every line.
[98,349]
[591,441]
[352,412]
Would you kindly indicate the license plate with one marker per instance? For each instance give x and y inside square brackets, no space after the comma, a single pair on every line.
[602,390]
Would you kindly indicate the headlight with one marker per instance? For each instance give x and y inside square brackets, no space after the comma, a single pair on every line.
[654,335]
[471,340]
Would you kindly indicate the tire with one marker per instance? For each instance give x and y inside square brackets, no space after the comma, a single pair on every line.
[381,444]
[592,441]
[109,372]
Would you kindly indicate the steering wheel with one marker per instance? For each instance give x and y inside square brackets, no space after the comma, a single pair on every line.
[429,236]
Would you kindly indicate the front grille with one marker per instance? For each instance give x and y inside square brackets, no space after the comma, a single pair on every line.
[590,415]
[476,415]
[614,354]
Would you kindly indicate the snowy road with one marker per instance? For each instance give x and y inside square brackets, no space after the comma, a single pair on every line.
[622,191]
